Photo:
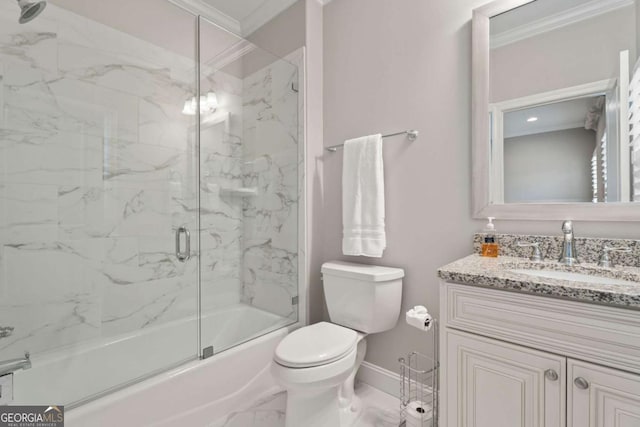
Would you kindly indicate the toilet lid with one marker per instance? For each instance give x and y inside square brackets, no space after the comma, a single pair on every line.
[315,345]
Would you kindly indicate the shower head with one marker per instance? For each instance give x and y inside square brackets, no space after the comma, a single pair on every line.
[29,10]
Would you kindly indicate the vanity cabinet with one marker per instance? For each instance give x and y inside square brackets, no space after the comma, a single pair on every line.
[518,360]
[498,384]
[602,397]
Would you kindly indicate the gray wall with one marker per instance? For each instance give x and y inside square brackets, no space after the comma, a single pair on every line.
[580,53]
[284,33]
[277,38]
[390,66]
[549,167]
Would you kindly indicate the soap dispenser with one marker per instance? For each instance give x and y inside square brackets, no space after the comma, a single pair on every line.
[490,244]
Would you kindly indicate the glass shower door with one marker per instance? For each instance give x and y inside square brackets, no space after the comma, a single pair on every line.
[249,157]
[97,173]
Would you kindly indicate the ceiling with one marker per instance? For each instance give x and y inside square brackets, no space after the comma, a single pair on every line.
[551,117]
[149,20]
[242,17]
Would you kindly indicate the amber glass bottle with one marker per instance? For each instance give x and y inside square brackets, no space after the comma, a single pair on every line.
[490,243]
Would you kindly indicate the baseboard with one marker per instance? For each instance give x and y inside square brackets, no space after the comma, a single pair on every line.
[380,378]
[388,381]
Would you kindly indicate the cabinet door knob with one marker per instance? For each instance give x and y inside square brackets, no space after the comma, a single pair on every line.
[581,383]
[551,375]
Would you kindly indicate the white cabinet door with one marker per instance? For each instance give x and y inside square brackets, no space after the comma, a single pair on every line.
[602,397]
[494,384]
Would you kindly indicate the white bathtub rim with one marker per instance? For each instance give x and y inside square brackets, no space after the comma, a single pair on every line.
[51,377]
[111,401]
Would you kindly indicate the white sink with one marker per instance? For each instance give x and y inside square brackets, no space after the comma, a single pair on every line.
[575,277]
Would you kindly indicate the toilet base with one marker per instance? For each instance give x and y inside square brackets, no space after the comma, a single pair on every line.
[349,402]
[313,410]
[350,414]
[315,405]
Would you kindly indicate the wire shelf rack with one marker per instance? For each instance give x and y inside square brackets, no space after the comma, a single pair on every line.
[419,387]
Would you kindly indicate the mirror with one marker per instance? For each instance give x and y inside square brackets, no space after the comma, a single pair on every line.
[556,95]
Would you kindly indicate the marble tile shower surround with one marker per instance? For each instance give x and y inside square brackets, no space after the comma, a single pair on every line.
[588,248]
[271,134]
[220,216]
[95,173]
[97,170]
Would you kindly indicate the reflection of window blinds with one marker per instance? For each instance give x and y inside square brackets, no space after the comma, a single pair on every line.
[594,176]
[603,163]
[634,131]
[599,181]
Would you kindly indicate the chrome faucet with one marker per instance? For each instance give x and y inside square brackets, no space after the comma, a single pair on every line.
[12,365]
[568,255]
[536,255]
[604,260]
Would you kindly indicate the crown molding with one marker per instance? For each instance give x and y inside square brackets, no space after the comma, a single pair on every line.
[263,14]
[559,20]
[324,2]
[230,55]
[199,7]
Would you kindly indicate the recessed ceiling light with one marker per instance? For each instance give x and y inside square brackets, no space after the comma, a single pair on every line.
[532,119]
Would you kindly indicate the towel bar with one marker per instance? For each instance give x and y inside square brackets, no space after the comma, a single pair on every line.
[412,135]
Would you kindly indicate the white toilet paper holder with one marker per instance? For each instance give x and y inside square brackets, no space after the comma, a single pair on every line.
[419,385]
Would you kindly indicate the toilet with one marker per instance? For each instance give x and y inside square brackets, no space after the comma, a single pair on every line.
[317,364]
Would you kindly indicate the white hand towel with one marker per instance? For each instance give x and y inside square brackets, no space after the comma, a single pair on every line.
[363,197]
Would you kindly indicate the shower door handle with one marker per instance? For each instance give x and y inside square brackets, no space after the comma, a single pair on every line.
[183,256]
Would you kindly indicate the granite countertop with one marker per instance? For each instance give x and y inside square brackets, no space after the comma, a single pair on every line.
[495,273]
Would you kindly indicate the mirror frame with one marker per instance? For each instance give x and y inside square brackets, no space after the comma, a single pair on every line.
[481,203]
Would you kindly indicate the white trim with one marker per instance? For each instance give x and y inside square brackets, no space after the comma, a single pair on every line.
[481,138]
[199,7]
[481,145]
[383,379]
[623,132]
[380,378]
[563,94]
[496,180]
[324,2]
[239,49]
[559,20]
[263,14]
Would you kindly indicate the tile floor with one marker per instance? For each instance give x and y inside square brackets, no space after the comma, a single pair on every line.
[379,410]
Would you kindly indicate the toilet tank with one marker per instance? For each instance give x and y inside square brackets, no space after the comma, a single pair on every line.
[362,297]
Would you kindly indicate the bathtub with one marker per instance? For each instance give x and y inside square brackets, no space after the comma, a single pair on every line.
[197,392]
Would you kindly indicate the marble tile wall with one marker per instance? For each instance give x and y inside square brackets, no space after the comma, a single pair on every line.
[271,159]
[221,216]
[98,167]
[96,171]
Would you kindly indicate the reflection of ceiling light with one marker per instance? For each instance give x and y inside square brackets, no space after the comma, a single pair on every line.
[532,119]
[208,104]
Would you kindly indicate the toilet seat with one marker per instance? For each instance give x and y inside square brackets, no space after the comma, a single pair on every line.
[315,345]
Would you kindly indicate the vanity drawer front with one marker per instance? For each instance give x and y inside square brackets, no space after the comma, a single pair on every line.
[600,334]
